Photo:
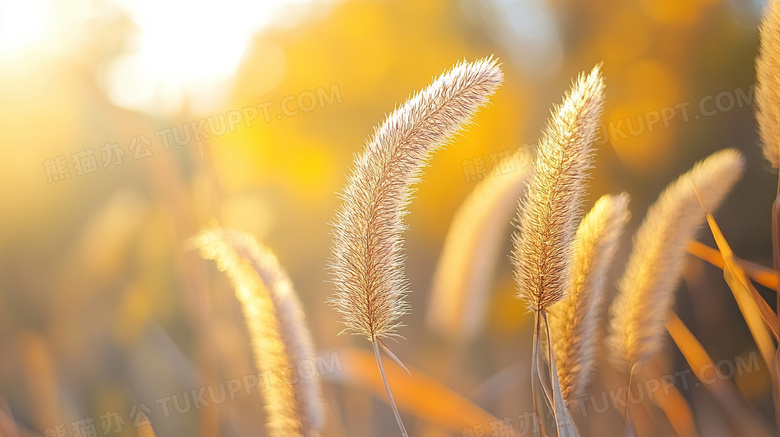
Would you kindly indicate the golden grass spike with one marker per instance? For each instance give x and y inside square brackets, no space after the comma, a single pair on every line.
[574,321]
[646,289]
[367,263]
[461,283]
[277,327]
[551,206]
[768,83]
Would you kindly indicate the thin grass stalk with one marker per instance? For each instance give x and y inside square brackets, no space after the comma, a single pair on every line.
[628,426]
[765,276]
[776,241]
[761,320]
[776,263]
[563,422]
[537,387]
[421,395]
[387,388]
[768,117]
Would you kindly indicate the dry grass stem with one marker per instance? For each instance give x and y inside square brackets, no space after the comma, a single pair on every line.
[768,117]
[764,276]
[738,414]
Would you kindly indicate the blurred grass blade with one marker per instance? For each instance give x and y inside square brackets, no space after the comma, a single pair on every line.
[753,308]
[678,412]
[8,427]
[751,304]
[672,403]
[764,276]
[737,412]
[146,431]
[421,395]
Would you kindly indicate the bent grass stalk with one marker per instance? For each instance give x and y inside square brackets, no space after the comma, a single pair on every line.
[739,416]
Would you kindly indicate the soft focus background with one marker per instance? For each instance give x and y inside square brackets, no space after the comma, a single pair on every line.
[125,127]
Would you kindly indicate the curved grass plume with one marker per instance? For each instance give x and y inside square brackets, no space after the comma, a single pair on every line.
[462,280]
[548,215]
[574,321]
[646,289]
[277,327]
[549,212]
[367,262]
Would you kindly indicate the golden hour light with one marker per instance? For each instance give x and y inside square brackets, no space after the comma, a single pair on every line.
[383,218]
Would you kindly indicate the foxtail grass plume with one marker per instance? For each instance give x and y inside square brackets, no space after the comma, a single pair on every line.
[551,207]
[367,263]
[276,325]
[574,321]
[646,289]
[768,83]
[461,283]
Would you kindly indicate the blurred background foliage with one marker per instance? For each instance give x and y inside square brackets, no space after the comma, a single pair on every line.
[102,307]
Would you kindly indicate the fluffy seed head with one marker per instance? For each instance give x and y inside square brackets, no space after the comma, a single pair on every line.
[462,279]
[768,83]
[574,321]
[276,324]
[551,207]
[367,261]
[646,289]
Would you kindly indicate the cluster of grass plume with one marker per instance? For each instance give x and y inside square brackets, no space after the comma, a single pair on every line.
[561,258]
